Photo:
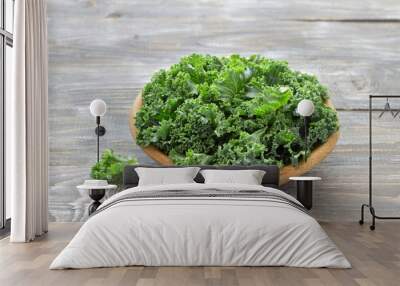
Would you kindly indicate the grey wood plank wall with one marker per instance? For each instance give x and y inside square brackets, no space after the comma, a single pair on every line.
[109,50]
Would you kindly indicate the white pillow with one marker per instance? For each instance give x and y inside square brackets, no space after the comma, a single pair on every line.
[247,177]
[166,176]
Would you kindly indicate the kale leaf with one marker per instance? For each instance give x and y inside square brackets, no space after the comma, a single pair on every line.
[232,110]
[111,167]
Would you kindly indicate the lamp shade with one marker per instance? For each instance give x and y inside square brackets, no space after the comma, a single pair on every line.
[305,107]
[98,107]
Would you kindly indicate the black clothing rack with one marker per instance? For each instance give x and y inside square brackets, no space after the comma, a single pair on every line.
[369,205]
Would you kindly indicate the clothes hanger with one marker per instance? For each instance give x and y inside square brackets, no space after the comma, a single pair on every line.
[388,108]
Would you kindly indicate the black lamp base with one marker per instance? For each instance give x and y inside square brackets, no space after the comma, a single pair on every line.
[100,130]
[96,195]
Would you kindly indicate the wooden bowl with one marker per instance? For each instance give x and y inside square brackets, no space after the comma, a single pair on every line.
[316,156]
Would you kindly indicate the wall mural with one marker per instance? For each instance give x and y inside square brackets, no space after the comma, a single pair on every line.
[114,50]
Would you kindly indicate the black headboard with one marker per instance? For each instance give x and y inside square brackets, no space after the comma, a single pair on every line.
[271,177]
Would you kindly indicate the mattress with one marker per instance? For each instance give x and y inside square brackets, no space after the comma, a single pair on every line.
[201,225]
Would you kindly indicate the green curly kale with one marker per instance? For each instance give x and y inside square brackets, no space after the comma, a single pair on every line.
[111,167]
[232,110]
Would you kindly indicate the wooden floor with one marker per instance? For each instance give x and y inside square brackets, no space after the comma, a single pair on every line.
[375,257]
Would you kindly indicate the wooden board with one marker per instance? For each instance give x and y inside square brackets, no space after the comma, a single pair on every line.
[110,49]
[316,156]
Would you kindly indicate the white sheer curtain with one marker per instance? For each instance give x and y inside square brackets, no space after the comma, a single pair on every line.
[27,123]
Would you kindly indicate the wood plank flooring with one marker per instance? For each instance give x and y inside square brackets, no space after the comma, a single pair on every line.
[375,257]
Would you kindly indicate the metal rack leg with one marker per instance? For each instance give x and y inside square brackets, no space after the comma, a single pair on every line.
[374,216]
[361,221]
[372,210]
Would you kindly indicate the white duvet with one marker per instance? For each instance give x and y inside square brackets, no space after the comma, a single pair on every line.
[200,231]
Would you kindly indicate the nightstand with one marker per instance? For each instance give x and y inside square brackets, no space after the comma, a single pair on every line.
[305,190]
[96,193]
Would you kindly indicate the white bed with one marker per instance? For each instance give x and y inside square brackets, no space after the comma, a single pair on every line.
[202,231]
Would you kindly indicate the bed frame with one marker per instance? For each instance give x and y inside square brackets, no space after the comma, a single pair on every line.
[271,177]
